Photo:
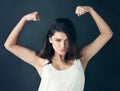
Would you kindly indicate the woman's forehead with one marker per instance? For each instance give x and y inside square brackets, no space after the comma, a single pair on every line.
[60,35]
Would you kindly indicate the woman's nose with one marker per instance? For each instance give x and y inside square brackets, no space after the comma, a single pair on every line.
[63,44]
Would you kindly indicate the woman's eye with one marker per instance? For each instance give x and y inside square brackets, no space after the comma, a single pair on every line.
[57,40]
[67,41]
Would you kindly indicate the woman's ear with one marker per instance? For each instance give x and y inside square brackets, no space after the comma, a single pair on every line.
[50,40]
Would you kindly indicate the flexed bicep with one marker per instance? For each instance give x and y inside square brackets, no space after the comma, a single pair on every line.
[11,44]
[105,31]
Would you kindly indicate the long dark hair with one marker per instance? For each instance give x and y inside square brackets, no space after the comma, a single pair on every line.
[60,25]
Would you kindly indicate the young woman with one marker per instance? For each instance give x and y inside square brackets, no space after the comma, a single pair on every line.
[60,65]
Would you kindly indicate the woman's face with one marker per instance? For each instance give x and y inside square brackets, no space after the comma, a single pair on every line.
[59,43]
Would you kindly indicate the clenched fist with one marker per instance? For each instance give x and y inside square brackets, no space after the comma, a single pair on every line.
[34,16]
[80,10]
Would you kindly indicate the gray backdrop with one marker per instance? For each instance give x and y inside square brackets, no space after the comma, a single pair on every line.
[102,73]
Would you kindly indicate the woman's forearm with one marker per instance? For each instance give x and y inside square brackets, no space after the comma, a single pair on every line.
[102,25]
[14,35]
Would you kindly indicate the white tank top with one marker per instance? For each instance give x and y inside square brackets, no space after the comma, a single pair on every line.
[71,79]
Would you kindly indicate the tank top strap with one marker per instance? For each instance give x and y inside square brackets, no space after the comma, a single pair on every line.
[78,63]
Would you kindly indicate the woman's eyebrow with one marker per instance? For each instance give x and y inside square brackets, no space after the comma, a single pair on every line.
[59,38]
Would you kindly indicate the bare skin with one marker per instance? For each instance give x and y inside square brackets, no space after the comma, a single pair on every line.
[60,48]
[60,44]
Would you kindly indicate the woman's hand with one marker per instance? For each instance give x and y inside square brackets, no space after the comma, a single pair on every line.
[34,16]
[80,10]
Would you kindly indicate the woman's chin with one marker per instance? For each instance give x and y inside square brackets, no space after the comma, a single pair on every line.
[62,53]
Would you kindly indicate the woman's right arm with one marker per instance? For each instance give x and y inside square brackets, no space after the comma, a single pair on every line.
[23,53]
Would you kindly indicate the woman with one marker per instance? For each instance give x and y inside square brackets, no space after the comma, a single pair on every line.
[60,65]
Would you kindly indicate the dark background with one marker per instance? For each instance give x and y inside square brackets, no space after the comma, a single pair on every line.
[103,71]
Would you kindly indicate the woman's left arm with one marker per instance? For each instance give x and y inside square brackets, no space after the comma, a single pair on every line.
[106,33]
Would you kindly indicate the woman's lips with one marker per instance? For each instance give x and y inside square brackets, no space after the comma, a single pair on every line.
[63,50]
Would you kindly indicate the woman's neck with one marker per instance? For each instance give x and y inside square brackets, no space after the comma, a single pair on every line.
[58,57]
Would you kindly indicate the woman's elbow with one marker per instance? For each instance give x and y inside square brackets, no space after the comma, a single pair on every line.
[110,34]
[7,46]
[107,36]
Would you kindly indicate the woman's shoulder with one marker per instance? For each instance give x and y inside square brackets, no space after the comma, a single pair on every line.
[42,61]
